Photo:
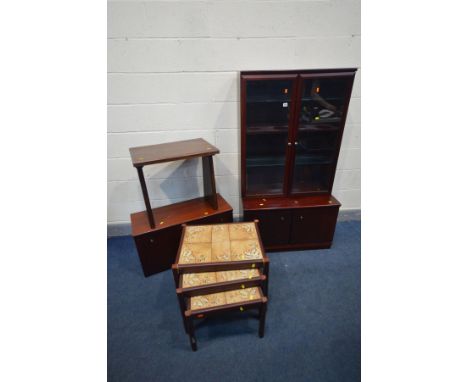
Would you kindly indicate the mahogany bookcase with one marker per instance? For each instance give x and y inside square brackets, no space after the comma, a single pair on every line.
[292,124]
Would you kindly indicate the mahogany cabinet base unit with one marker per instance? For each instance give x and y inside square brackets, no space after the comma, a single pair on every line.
[304,222]
[157,247]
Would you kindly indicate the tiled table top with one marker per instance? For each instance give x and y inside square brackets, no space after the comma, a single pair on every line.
[190,280]
[220,243]
[224,298]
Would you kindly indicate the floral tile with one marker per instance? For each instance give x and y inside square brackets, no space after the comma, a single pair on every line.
[193,253]
[197,279]
[220,251]
[241,295]
[242,274]
[242,231]
[198,234]
[245,250]
[219,233]
[207,301]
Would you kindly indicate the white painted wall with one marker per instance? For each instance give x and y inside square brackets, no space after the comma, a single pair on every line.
[173,73]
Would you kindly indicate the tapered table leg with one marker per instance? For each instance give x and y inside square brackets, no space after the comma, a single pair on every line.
[266,272]
[261,326]
[209,182]
[182,311]
[149,211]
[191,332]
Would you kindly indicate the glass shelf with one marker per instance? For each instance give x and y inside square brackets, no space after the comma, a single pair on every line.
[320,121]
[260,100]
[267,129]
[312,98]
[319,129]
[320,160]
[264,162]
[309,177]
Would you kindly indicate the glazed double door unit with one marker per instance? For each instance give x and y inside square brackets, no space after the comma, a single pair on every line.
[292,124]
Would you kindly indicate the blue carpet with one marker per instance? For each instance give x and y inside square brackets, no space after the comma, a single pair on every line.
[312,326]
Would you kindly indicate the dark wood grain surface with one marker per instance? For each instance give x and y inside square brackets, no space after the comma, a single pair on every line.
[177,213]
[266,203]
[167,152]
[326,72]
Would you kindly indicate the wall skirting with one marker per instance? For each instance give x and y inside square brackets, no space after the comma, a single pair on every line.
[345,215]
[124,229]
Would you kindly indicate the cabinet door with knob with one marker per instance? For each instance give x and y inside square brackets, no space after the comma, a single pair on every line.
[274,225]
[313,225]
[157,249]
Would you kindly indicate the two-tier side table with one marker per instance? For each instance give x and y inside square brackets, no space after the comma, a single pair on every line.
[157,231]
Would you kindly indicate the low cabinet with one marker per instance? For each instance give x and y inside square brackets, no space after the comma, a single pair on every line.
[299,223]
[274,226]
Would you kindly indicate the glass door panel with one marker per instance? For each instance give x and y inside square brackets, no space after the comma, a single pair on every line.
[323,101]
[268,112]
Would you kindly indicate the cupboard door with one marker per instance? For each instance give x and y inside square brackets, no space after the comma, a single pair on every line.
[157,250]
[267,117]
[321,117]
[274,225]
[313,225]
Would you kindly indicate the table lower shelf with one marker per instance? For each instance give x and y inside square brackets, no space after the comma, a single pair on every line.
[157,247]
[221,299]
[197,284]
[176,214]
[226,301]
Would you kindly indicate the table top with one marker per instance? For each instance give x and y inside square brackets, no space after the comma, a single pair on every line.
[190,280]
[167,152]
[227,243]
[224,298]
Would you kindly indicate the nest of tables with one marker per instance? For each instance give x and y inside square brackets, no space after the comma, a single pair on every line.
[220,268]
